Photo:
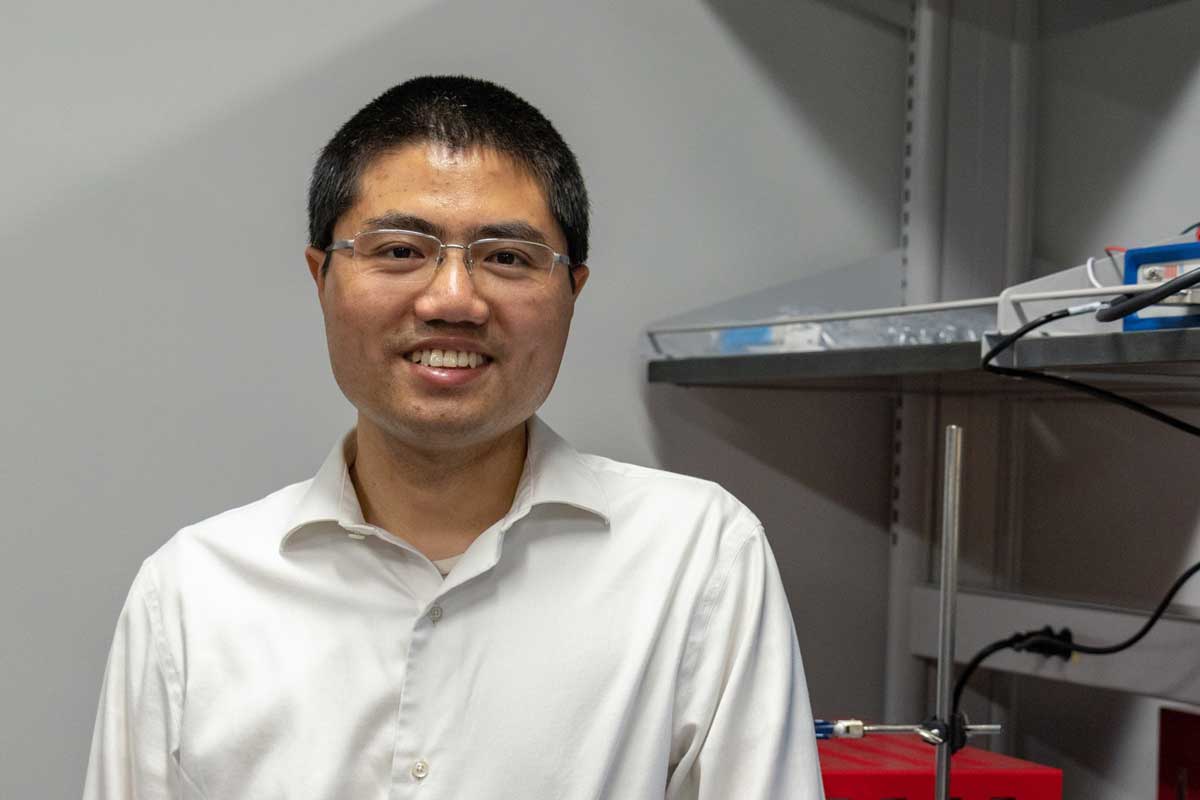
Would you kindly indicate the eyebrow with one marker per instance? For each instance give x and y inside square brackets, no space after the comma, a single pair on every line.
[406,222]
[504,229]
[511,229]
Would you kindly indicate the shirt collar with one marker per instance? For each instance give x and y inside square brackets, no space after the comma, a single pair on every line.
[554,473]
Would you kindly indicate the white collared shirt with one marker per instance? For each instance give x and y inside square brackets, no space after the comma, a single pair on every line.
[621,633]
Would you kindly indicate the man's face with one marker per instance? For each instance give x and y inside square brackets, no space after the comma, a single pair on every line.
[374,325]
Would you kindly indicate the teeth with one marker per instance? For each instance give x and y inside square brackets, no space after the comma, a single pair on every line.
[447,359]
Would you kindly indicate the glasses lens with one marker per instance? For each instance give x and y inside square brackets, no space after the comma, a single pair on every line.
[403,253]
[512,260]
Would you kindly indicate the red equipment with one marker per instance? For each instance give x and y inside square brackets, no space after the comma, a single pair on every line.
[901,768]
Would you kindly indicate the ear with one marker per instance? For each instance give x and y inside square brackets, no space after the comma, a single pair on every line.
[316,258]
[580,272]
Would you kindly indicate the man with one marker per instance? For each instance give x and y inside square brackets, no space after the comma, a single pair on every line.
[458,605]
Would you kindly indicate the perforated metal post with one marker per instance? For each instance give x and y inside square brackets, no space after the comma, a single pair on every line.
[915,440]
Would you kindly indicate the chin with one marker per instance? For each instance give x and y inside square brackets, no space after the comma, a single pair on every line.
[439,431]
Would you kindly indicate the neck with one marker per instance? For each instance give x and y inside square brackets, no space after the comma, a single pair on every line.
[437,501]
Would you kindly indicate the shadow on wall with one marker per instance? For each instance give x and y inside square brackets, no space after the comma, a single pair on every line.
[816,469]
[1125,81]
[1064,16]
[815,439]
[780,38]
[1108,496]
[1064,720]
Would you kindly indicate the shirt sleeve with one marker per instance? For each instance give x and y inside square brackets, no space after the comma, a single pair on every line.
[133,744]
[744,725]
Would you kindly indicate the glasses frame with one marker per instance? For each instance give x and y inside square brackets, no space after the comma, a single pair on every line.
[468,261]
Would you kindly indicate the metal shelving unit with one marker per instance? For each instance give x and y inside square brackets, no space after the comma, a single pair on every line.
[965,232]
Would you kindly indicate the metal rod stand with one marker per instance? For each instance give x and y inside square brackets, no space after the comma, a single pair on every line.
[951,491]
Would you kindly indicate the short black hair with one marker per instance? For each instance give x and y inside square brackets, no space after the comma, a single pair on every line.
[462,113]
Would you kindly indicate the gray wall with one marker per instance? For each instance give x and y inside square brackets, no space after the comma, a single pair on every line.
[1109,511]
[163,343]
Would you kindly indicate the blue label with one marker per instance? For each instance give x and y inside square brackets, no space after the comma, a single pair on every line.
[733,340]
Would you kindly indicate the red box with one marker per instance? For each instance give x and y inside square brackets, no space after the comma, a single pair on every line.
[897,767]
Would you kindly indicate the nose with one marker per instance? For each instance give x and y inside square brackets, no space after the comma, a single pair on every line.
[450,295]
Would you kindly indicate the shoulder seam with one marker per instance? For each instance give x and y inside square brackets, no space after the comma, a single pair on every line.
[713,591]
[167,664]
[162,651]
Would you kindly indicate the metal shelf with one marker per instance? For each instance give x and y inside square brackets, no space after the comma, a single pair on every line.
[1165,352]
[1144,362]
[867,368]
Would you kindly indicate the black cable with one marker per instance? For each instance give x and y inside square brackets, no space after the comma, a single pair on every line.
[976,660]
[1045,640]
[1189,229]
[1087,388]
[1137,637]
[1008,341]
[1050,643]
[1126,304]
[1062,643]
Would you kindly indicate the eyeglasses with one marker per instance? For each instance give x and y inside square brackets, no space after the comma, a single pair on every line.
[412,257]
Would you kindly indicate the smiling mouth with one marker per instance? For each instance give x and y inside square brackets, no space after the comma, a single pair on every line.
[448,359]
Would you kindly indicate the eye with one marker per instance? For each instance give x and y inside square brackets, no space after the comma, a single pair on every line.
[510,258]
[401,251]
[393,250]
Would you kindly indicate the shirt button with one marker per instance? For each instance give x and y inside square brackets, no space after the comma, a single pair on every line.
[420,770]
[435,614]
